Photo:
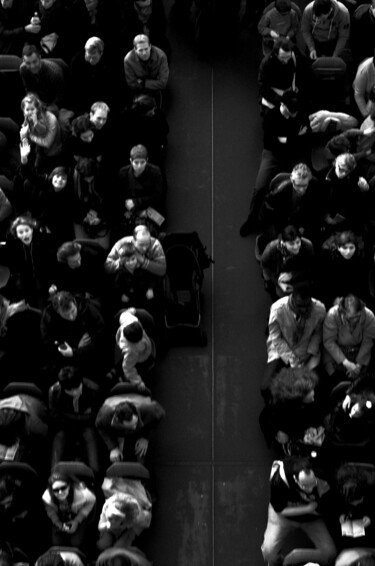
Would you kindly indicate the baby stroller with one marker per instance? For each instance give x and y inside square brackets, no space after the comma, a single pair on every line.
[186,260]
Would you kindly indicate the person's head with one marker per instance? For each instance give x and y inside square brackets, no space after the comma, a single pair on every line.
[86,167]
[351,306]
[125,417]
[299,470]
[322,8]
[346,244]
[133,332]
[144,8]
[141,238]
[50,558]
[82,128]
[65,305]
[344,164]
[129,258]
[293,384]
[119,560]
[47,4]
[372,8]
[94,48]
[138,159]
[300,177]
[291,239]
[283,49]
[99,114]
[70,253]
[144,104]
[142,47]
[300,300]
[60,486]
[58,178]
[32,58]
[31,106]
[289,104]
[283,6]
[70,379]
[23,228]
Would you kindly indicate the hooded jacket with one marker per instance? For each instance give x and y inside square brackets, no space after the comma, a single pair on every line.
[324,29]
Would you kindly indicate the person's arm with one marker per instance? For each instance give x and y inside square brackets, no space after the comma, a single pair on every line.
[344,32]
[330,336]
[359,86]
[264,26]
[51,510]
[129,361]
[130,74]
[160,83]
[112,263]
[308,509]
[278,342]
[52,126]
[306,29]
[364,355]
[265,80]
[156,263]
[268,263]
[316,338]
[88,505]
[103,425]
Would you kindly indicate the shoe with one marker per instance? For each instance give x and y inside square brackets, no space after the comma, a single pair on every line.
[247,228]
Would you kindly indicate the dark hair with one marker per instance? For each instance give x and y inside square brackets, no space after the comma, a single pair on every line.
[133,332]
[292,384]
[321,7]
[124,411]
[66,250]
[283,6]
[29,49]
[69,377]
[290,233]
[116,560]
[282,43]
[50,558]
[81,124]
[293,465]
[60,170]
[346,237]
[86,167]
[62,301]
[59,476]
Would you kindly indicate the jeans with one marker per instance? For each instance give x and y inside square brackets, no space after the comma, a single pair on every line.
[279,528]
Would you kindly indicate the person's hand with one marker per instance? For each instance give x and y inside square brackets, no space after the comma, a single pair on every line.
[313,54]
[52,290]
[32,28]
[71,526]
[149,294]
[129,203]
[141,447]
[350,367]
[25,147]
[24,131]
[140,258]
[281,437]
[363,184]
[115,455]
[274,34]
[65,350]
[85,340]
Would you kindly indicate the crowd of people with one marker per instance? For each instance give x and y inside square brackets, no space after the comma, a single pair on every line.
[82,199]
[312,210]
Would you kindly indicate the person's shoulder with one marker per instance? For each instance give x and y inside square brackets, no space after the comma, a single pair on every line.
[158,52]
[319,306]
[280,304]
[340,9]
[154,169]
[130,56]
[308,9]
